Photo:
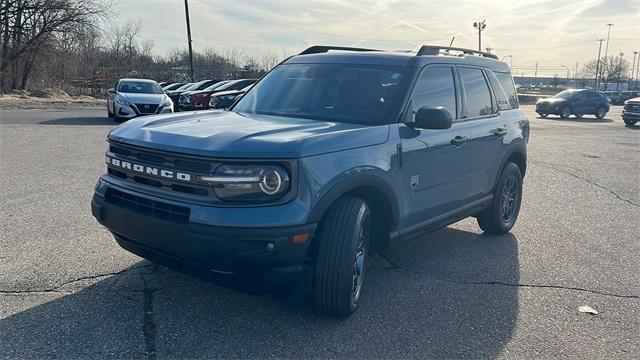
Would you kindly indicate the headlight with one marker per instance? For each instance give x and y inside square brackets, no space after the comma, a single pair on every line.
[122,101]
[249,182]
[167,103]
[214,101]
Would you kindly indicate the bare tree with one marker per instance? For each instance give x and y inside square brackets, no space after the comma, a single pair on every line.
[612,68]
[29,27]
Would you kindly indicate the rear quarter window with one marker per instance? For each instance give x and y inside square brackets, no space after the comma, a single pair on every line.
[506,81]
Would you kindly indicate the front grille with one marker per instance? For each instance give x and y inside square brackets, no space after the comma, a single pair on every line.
[147,108]
[632,107]
[156,209]
[135,155]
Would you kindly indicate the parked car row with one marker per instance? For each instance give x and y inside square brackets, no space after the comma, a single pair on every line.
[130,98]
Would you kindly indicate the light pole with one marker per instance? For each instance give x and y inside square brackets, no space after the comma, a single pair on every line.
[606,49]
[480,25]
[568,77]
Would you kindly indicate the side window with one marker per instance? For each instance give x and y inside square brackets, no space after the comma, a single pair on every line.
[509,88]
[478,96]
[498,91]
[435,87]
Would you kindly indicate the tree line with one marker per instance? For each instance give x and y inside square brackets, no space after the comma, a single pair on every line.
[59,43]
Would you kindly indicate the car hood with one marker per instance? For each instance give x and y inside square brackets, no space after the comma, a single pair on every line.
[232,135]
[144,98]
[634,100]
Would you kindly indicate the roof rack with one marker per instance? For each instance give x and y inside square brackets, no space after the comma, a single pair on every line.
[435,50]
[323,49]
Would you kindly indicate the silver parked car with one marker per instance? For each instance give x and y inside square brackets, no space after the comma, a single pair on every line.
[137,97]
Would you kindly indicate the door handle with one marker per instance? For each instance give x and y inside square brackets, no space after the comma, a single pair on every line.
[499,132]
[459,140]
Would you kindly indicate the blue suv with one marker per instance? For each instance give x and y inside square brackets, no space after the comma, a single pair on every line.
[332,154]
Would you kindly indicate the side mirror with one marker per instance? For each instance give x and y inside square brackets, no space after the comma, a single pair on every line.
[111,91]
[432,117]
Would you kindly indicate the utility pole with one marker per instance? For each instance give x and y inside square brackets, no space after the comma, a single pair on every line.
[535,76]
[480,25]
[619,73]
[598,63]
[568,75]
[633,67]
[186,11]
[637,72]
[575,75]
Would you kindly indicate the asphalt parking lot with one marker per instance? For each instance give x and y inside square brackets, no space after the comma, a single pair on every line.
[68,291]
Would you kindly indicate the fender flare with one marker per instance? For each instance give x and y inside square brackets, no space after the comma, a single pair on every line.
[353,182]
[516,147]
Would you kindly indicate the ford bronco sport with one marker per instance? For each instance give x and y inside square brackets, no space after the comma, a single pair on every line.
[327,158]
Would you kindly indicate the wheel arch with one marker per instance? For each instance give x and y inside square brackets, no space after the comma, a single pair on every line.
[378,194]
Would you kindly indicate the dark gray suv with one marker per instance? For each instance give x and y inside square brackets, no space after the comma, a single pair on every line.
[327,158]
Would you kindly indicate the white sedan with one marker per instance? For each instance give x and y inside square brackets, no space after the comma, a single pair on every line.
[137,97]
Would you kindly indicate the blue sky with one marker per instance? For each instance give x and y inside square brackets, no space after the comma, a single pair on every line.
[550,32]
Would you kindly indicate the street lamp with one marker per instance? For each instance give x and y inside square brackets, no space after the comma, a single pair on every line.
[480,25]
[511,57]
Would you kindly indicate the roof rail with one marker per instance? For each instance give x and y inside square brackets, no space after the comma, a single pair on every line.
[317,49]
[435,50]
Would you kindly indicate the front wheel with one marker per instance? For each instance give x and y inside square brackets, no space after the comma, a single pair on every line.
[544,116]
[503,212]
[565,112]
[342,257]
[601,113]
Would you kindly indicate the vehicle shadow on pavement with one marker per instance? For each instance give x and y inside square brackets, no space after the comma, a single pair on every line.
[433,297]
[85,120]
[585,119]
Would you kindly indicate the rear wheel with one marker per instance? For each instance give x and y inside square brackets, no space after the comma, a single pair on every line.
[500,217]
[601,112]
[341,258]
[565,112]
[630,122]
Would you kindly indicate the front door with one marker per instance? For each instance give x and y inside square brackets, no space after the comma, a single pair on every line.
[435,162]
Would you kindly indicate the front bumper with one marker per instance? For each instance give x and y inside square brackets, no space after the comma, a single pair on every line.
[131,111]
[231,256]
[630,115]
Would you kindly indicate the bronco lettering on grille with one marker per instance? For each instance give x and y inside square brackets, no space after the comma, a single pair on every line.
[148,170]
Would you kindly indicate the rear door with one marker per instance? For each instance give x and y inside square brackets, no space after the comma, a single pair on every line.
[582,103]
[487,127]
[435,162]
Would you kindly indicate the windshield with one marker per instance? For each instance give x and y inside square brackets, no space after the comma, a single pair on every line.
[363,94]
[567,94]
[184,87]
[217,85]
[173,86]
[140,87]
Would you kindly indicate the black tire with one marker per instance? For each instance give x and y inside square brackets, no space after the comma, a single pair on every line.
[500,217]
[109,113]
[601,113]
[630,122]
[565,112]
[119,119]
[343,246]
